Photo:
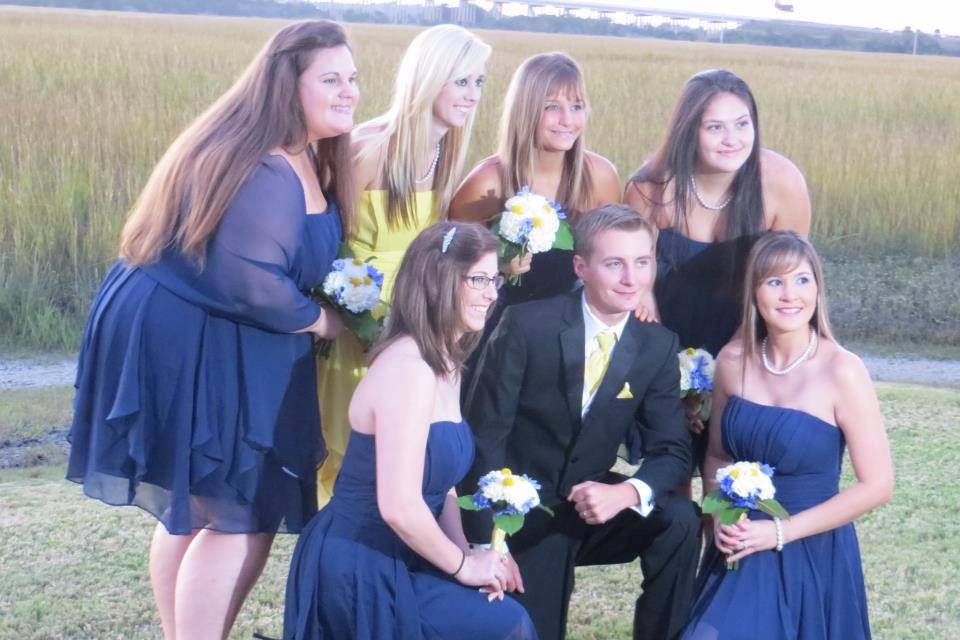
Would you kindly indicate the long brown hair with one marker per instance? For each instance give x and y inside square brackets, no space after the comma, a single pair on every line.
[190,188]
[535,80]
[676,158]
[426,294]
[438,55]
[776,253]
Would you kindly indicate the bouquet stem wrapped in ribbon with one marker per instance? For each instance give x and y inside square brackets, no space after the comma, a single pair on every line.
[743,486]
[353,288]
[696,381]
[510,497]
[530,223]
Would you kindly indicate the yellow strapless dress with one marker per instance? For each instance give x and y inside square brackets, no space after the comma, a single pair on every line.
[338,374]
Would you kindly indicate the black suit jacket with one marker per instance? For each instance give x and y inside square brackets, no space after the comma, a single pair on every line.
[524,404]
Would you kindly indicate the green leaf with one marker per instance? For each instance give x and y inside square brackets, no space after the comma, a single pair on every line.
[547,509]
[344,251]
[564,238]
[772,508]
[730,516]
[714,502]
[363,325]
[466,502]
[509,524]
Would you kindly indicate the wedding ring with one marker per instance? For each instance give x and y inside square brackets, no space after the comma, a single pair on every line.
[743,545]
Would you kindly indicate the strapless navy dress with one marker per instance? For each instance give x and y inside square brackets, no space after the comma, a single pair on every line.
[194,400]
[813,589]
[352,577]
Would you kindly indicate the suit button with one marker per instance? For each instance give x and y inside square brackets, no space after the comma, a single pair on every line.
[574,459]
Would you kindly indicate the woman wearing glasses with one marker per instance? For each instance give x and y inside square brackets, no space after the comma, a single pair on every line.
[387,557]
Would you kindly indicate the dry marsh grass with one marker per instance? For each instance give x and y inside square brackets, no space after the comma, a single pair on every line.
[74,568]
[91,99]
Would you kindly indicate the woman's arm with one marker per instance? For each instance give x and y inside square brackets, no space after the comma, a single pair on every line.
[857,412]
[402,424]
[450,522]
[605,181]
[785,194]
[479,198]
[635,196]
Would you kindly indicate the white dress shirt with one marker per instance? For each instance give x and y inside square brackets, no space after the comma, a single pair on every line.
[592,326]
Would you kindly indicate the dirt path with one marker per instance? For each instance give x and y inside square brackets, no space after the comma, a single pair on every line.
[26,373]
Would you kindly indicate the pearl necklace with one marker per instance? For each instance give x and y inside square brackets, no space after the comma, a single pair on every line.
[433,166]
[790,367]
[711,207]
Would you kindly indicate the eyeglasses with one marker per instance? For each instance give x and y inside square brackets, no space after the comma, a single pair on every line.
[482,282]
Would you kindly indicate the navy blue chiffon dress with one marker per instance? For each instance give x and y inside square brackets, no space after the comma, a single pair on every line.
[353,578]
[194,401]
[813,589]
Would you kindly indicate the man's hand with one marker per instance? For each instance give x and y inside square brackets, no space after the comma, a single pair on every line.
[597,502]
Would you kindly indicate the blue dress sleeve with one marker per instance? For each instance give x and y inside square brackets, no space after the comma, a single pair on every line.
[252,271]
[253,259]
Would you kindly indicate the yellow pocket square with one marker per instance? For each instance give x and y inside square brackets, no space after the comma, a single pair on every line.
[625,392]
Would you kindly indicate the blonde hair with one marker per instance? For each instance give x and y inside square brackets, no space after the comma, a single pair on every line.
[535,80]
[436,56]
[776,253]
[197,177]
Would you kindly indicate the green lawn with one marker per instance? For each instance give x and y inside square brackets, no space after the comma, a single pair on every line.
[73,568]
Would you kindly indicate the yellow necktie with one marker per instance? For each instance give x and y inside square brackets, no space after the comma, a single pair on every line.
[598,361]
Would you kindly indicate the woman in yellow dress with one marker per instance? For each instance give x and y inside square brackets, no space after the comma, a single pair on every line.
[408,164]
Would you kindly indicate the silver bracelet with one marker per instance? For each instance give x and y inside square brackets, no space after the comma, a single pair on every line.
[776,523]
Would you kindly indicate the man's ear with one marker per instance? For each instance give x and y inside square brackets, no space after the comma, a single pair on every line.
[579,264]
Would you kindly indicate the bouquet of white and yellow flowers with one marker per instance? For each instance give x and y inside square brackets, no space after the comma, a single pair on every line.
[743,486]
[510,497]
[530,223]
[353,287]
[696,381]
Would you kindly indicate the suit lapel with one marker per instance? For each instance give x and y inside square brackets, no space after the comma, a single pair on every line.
[624,356]
[571,348]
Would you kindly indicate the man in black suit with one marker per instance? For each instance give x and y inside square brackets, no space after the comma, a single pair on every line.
[557,386]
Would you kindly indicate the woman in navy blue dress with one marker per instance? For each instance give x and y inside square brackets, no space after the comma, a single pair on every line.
[196,396]
[387,557]
[786,394]
[711,188]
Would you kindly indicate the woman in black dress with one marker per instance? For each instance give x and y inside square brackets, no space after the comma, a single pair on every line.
[711,189]
[541,146]
[196,395]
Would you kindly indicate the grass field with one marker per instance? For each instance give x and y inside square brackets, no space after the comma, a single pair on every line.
[73,568]
[90,101]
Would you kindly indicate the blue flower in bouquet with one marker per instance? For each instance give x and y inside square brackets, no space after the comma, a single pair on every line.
[744,483]
[696,370]
[744,486]
[509,496]
[506,493]
[353,285]
[696,381]
[530,223]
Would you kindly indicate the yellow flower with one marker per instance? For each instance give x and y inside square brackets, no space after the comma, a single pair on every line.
[735,474]
[367,280]
[517,209]
[355,282]
[691,351]
[508,481]
[357,261]
[536,222]
[505,471]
